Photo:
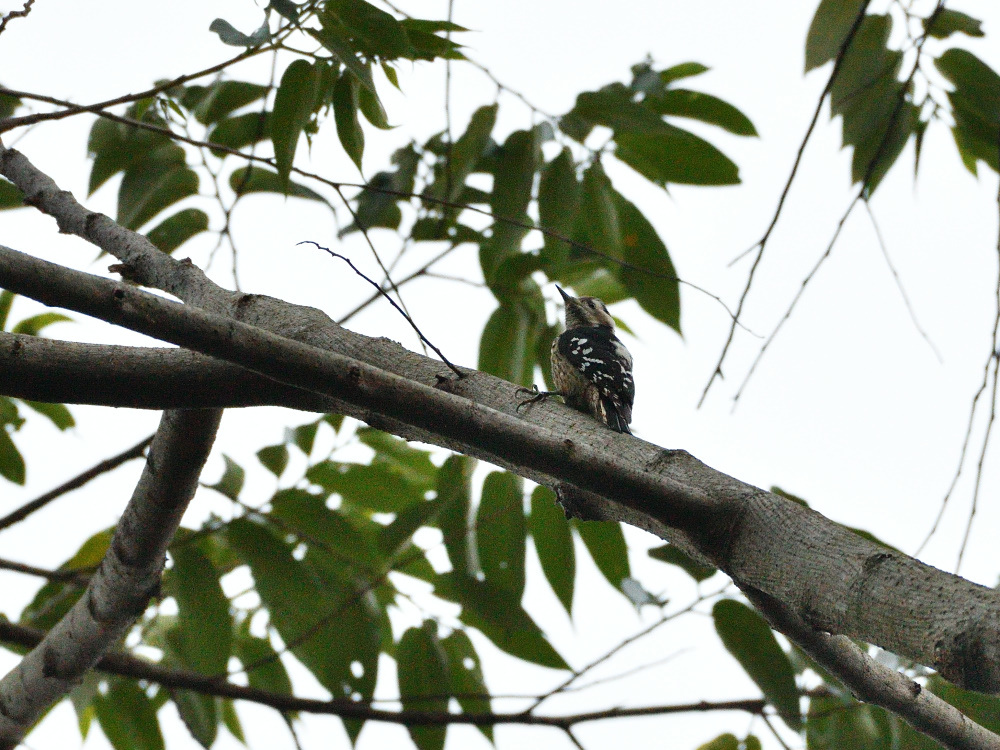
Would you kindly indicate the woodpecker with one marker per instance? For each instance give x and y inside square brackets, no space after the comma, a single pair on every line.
[591,368]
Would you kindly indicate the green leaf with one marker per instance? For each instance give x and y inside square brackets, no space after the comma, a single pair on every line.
[116,147]
[261,663]
[501,532]
[58,414]
[227,711]
[834,723]
[614,107]
[704,107]
[506,348]
[946,22]
[975,103]
[345,113]
[274,458]
[200,714]
[829,29]
[878,117]
[412,463]
[127,717]
[214,102]
[372,109]
[377,487]
[676,156]
[320,618]
[512,184]
[6,300]
[749,639]
[9,104]
[331,37]
[725,741]
[558,203]
[465,674]
[497,615]
[203,635]
[465,153]
[597,222]
[232,479]
[606,544]
[423,681]
[256,179]
[308,515]
[304,437]
[174,231]
[293,105]
[647,271]
[672,555]
[554,544]
[33,326]
[397,537]
[151,186]
[683,70]
[11,463]
[454,488]
[286,8]
[229,34]
[239,131]
[10,195]
[374,32]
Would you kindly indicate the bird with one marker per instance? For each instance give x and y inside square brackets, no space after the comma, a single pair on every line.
[591,367]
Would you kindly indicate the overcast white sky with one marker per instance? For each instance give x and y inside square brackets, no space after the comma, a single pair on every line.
[850,409]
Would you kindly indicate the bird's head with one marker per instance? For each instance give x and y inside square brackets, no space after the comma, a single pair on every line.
[586,311]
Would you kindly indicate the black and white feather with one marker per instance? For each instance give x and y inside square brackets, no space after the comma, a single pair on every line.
[591,367]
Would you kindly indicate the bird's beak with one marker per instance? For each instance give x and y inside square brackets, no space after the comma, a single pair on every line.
[566,297]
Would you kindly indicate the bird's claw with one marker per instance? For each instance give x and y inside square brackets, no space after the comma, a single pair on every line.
[534,396]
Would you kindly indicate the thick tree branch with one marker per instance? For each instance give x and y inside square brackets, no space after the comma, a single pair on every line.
[126,665]
[69,372]
[128,575]
[838,581]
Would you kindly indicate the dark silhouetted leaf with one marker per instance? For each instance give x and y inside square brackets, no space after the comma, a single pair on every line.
[274,458]
[668,553]
[465,673]
[704,107]
[454,488]
[11,463]
[676,156]
[36,323]
[554,544]
[229,34]
[558,203]
[293,104]
[259,180]
[975,103]
[501,532]
[174,231]
[151,186]
[58,414]
[10,195]
[829,29]
[241,130]
[749,639]
[506,348]
[606,544]
[127,717]
[423,681]
[947,22]
[345,111]
[232,479]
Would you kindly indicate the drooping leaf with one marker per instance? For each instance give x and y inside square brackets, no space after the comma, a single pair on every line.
[8,105]
[646,270]
[454,488]
[829,29]
[377,487]
[946,22]
[345,112]
[506,348]
[749,639]
[10,195]
[127,717]
[597,222]
[58,414]
[465,675]
[512,188]
[200,714]
[464,154]
[496,613]
[175,230]
[256,179]
[331,36]
[261,663]
[975,103]
[412,463]
[293,104]
[304,436]
[11,463]
[239,131]
[682,70]
[725,741]
[676,156]
[274,458]
[204,631]
[423,681]
[558,203]
[33,326]
[229,34]
[6,300]
[151,186]
[231,482]
[700,106]
[673,555]
[606,544]
[210,104]
[553,540]
[501,532]
[373,30]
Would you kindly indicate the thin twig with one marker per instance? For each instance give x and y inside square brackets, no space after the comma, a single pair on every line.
[392,302]
[774,731]
[788,311]
[103,467]
[762,242]
[74,576]
[899,282]
[16,14]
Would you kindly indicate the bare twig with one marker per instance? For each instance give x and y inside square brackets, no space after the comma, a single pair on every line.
[103,467]
[51,575]
[392,302]
[762,242]
[25,10]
